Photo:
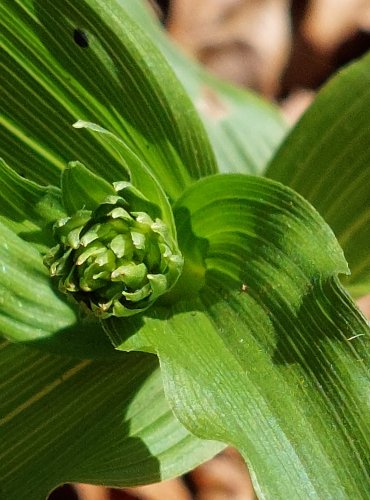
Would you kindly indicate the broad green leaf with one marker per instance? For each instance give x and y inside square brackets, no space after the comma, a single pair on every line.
[82,189]
[65,420]
[271,357]
[66,417]
[30,308]
[120,80]
[32,312]
[326,158]
[27,208]
[22,199]
[243,128]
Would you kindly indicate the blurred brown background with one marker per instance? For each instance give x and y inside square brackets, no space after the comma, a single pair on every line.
[284,50]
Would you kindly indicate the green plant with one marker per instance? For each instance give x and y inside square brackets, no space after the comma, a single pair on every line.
[259,344]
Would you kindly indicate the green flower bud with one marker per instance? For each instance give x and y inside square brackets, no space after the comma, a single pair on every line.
[114,260]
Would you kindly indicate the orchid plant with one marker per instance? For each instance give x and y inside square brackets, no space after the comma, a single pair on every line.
[173,272]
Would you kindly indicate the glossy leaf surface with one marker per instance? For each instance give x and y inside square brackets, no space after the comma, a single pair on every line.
[326,158]
[49,81]
[82,189]
[84,420]
[27,208]
[30,308]
[273,356]
[270,356]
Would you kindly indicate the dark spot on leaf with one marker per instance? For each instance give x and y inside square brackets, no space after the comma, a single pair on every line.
[80,37]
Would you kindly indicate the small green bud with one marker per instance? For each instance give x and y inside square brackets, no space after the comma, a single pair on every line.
[115,260]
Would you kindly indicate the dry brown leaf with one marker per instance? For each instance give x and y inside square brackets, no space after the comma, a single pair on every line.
[328,23]
[91,492]
[296,104]
[245,41]
[173,489]
[364,305]
[225,475]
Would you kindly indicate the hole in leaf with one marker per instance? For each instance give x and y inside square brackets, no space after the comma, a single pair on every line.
[80,37]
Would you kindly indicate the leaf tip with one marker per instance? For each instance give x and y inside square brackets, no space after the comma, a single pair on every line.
[79,124]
